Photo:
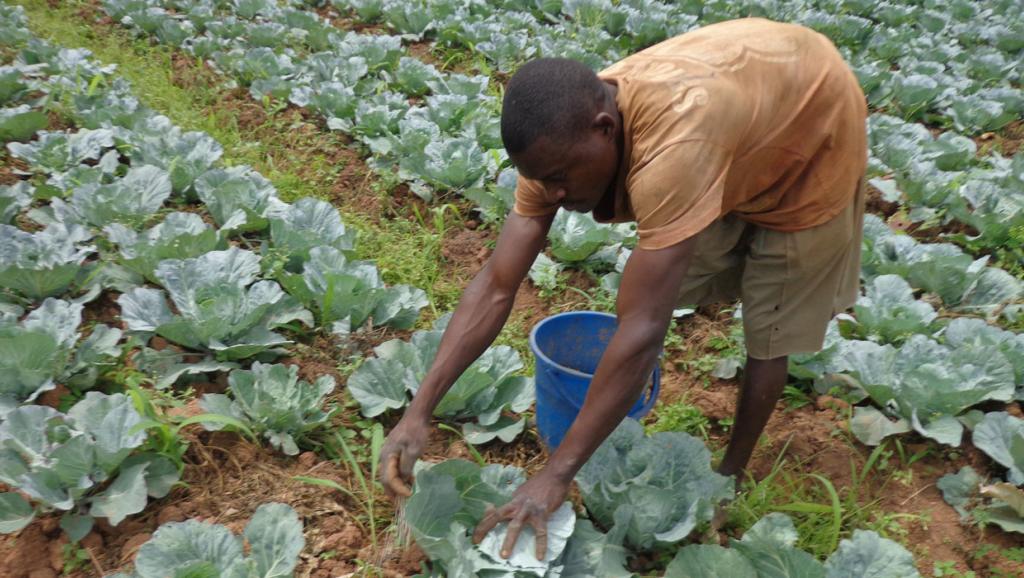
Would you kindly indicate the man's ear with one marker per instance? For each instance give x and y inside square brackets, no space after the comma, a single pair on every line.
[605,123]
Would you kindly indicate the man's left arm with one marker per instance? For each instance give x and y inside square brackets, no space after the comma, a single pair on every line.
[647,296]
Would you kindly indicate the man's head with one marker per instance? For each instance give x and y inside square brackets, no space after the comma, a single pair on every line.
[560,126]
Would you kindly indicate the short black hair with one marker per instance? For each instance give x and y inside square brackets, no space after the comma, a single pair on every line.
[557,97]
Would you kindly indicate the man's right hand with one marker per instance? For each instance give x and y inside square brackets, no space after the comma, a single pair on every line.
[403,446]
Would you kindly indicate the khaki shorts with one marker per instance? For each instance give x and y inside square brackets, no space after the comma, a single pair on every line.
[791,284]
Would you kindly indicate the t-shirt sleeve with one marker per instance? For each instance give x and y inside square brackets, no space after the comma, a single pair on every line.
[530,199]
[678,192]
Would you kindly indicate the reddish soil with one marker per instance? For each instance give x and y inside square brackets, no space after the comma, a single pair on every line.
[249,114]
[351,189]
[7,177]
[7,170]
[465,251]
[1006,141]
[104,309]
[317,359]
[876,205]
[423,51]
[1012,138]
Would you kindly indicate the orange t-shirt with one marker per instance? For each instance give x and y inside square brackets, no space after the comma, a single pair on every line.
[754,117]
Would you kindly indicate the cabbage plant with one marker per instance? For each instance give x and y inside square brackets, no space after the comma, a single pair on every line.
[768,548]
[19,123]
[922,385]
[576,236]
[347,295]
[43,349]
[131,200]
[487,389]
[657,488]
[114,105]
[58,151]
[178,236]
[238,196]
[272,401]
[184,155]
[963,283]
[45,263]
[998,502]
[544,273]
[967,331]
[169,366]
[889,312]
[82,463]
[1001,436]
[450,498]
[298,228]
[220,305]
[14,198]
[13,88]
[269,547]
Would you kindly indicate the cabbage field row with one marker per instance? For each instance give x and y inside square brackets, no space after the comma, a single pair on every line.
[213,274]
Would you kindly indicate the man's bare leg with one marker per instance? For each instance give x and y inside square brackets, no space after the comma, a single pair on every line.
[763,381]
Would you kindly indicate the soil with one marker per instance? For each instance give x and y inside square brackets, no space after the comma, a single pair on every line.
[877,205]
[104,309]
[351,189]
[423,51]
[465,251]
[1006,141]
[8,176]
[1012,138]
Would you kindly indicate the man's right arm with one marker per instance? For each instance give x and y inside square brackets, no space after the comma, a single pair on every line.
[482,311]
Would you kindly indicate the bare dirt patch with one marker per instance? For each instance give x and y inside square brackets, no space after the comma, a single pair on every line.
[877,205]
[104,309]
[10,169]
[1006,141]
[465,251]
[423,51]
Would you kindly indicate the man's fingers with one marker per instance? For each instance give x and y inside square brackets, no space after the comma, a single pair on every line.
[393,480]
[406,462]
[514,527]
[491,518]
[540,529]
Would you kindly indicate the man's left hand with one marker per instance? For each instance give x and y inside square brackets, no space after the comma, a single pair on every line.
[531,504]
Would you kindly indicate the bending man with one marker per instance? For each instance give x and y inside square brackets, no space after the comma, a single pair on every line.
[739,150]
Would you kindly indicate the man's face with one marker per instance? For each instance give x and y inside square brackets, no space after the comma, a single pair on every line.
[578,173]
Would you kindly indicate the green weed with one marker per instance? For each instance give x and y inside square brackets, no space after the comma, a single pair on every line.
[795,397]
[680,416]
[75,557]
[822,512]
[343,447]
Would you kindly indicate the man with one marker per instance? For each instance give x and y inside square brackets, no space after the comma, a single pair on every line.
[739,150]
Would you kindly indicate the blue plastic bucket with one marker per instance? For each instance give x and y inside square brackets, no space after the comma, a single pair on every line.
[568,347]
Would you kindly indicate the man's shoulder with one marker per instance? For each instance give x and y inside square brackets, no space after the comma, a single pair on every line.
[721,47]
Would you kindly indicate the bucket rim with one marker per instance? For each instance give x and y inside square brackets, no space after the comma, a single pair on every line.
[540,354]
